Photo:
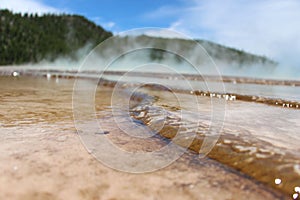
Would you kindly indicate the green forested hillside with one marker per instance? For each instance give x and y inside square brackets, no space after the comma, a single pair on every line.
[31,38]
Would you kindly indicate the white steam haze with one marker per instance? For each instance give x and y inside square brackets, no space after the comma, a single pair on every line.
[264,27]
[65,62]
[138,52]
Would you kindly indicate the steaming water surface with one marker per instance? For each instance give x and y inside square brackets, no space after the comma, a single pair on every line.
[258,139]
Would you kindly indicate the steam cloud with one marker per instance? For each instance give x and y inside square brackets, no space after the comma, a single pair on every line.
[223,57]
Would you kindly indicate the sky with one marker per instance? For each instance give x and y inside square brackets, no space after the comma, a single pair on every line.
[265,27]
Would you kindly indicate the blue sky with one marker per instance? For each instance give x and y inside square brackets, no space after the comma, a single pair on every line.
[265,27]
[116,15]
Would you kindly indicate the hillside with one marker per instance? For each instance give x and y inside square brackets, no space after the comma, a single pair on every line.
[30,38]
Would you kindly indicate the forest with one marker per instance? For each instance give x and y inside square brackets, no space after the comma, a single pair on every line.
[30,38]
